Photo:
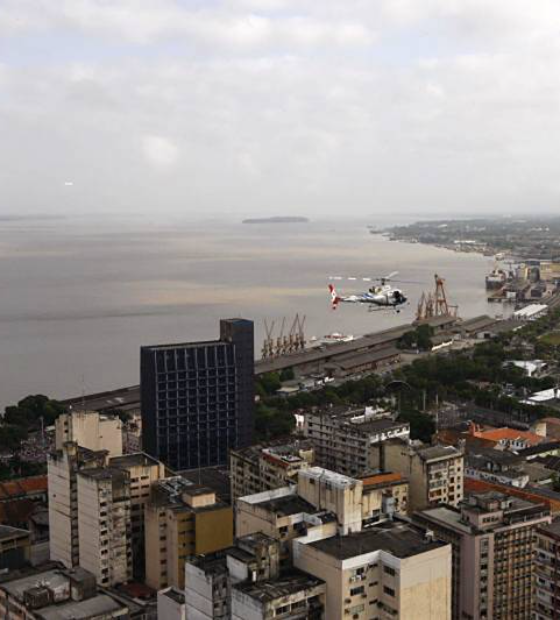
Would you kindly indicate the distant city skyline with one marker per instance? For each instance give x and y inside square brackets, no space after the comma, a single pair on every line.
[275,106]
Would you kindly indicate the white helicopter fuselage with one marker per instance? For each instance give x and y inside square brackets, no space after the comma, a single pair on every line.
[384,296]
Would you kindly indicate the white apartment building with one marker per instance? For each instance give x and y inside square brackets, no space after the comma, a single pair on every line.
[392,570]
[63,467]
[435,473]
[349,441]
[104,525]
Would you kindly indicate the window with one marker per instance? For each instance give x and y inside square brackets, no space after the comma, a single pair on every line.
[389,571]
[388,591]
[355,591]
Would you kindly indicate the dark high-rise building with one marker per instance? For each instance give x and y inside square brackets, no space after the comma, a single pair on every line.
[198,397]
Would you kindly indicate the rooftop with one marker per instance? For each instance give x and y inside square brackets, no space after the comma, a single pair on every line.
[382,480]
[105,473]
[552,528]
[434,453]
[289,584]
[326,475]
[7,532]
[396,537]
[23,486]
[97,606]
[138,459]
[510,434]
[175,595]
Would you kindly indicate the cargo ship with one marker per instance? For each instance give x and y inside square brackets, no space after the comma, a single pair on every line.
[496,279]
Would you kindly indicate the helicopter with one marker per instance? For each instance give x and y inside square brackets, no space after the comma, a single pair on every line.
[377,297]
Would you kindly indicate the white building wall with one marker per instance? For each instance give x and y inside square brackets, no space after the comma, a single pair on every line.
[62,512]
[90,430]
[168,608]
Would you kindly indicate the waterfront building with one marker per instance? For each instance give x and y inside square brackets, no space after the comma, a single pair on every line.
[198,397]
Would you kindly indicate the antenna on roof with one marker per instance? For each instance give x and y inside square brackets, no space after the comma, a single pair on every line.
[83,393]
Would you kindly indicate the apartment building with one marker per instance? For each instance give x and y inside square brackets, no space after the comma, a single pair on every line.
[435,473]
[493,541]
[245,582]
[104,524]
[349,441]
[391,570]
[63,467]
[265,467]
[547,577]
[293,596]
[90,429]
[383,494]
[182,519]
[322,504]
[143,471]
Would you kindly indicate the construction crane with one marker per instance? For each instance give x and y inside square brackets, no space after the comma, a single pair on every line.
[435,303]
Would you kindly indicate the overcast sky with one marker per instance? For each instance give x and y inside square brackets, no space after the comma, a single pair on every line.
[280,106]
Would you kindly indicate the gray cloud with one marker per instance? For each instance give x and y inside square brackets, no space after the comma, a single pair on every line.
[265,105]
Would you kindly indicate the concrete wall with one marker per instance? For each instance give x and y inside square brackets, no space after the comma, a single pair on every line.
[63,515]
[168,608]
[90,430]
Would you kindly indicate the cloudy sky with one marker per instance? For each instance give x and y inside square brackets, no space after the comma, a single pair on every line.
[266,106]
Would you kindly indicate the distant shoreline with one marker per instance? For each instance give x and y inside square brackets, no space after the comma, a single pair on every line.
[285,219]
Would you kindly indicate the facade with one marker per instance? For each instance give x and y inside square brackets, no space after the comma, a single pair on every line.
[89,429]
[104,525]
[383,495]
[171,604]
[143,471]
[547,579]
[198,398]
[182,519]
[349,441]
[63,467]
[262,468]
[493,540]
[391,570]
[435,473]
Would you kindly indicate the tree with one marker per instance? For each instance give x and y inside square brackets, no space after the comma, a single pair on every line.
[287,375]
[29,411]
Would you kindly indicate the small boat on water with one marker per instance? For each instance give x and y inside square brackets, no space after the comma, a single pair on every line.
[333,338]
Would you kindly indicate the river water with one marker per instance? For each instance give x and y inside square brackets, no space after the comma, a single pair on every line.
[79,296]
